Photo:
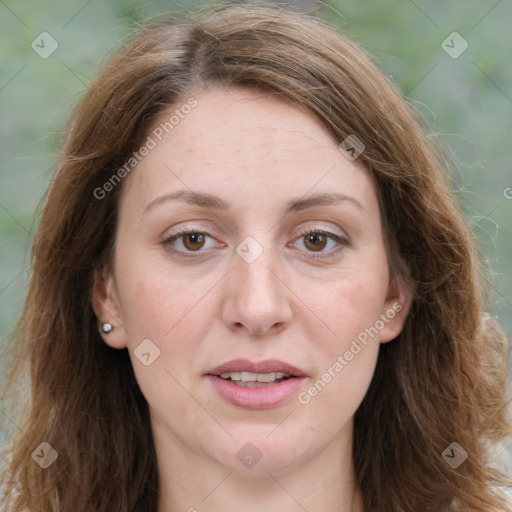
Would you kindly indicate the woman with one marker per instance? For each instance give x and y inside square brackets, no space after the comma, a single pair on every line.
[252,289]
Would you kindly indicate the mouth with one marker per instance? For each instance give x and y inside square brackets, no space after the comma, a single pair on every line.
[254,380]
[256,385]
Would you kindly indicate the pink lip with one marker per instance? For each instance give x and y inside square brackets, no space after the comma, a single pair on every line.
[267,366]
[257,398]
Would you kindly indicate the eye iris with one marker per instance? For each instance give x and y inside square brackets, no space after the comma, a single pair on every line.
[314,238]
[195,238]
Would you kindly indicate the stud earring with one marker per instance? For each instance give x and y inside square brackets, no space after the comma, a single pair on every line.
[106,328]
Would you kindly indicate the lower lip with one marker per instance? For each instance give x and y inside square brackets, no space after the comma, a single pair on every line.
[257,398]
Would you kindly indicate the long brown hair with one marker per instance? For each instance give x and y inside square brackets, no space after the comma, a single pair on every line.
[442,380]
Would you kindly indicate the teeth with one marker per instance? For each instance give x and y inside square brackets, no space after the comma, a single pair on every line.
[243,384]
[250,377]
[232,376]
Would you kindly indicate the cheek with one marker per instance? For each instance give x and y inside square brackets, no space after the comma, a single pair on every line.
[154,301]
[175,313]
[348,308]
[349,305]
[346,355]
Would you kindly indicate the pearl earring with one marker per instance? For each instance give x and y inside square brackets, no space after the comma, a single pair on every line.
[106,328]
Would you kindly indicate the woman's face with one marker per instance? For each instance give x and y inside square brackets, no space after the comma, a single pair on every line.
[277,276]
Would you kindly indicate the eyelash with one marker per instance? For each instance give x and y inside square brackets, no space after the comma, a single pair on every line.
[342,241]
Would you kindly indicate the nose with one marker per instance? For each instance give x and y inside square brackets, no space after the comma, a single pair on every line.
[256,298]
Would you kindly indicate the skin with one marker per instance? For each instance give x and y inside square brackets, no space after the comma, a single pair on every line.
[256,152]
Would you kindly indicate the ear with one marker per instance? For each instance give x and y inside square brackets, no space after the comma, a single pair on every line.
[395,310]
[106,306]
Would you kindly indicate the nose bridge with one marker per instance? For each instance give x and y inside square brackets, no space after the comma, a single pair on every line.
[256,266]
[257,298]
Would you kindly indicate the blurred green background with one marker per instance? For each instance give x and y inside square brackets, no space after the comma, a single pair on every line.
[467,101]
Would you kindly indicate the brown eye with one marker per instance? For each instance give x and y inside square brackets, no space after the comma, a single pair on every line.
[320,244]
[184,243]
[193,241]
[315,241]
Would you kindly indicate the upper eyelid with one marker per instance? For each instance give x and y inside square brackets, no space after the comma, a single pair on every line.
[215,232]
[303,231]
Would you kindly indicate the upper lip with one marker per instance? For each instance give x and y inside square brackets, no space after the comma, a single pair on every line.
[266,366]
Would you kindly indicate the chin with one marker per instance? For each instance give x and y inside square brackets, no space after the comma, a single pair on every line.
[248,453]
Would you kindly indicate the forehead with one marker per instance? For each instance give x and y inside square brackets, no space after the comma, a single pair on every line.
[224,117]
[246,140]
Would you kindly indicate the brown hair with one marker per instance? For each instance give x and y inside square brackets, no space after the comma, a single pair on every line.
[443,379]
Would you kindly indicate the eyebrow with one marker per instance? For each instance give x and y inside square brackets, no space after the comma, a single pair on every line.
[216,203]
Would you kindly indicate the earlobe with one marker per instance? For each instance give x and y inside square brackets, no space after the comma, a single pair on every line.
[396,308]
[106,307]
